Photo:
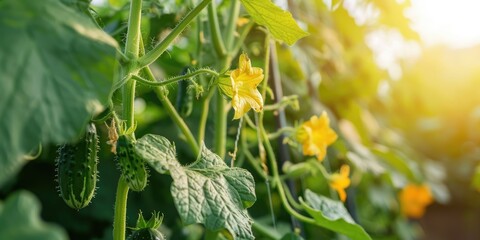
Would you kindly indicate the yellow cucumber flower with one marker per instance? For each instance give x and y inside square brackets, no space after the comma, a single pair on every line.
[340,181]
[414,199]
[315,135]
[242,87]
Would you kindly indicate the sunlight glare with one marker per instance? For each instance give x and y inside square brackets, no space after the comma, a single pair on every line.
[454,23]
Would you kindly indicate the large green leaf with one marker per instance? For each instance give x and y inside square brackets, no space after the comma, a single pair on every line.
[57,69]
[80,5]
[332,215]
[20,220]
[278,21]
[207,191]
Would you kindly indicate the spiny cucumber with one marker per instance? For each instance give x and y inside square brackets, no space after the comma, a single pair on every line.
[77,169]
[131,165]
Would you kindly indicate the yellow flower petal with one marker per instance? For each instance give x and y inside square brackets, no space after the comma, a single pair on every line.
[340,181]
[315,135]
[414,199]
[242,87]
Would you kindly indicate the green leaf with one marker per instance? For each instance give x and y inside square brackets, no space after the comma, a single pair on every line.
[20,220]
[80,5]
[207,191]
[332,215]
[278,21]
[57,70]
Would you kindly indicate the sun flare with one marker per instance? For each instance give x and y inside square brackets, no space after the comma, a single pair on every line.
[454,23]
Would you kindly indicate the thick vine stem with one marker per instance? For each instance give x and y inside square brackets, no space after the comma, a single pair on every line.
[221,114]
[119,221]
[232,20]
[158,50]
[132,47]
[215,29]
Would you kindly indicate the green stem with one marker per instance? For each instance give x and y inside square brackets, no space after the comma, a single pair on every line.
[158,50]
[204,116]
[179,121]
[172,112]
[221,114]
[133,35]
[174,79]
[128,102]
[241,39]
[291,199]
[249,122]
[265,231]
[252,160]
[285,101]
[220,126]
[270,153]
[120,210]
[280,132]
[215,29]
[266,69]
[278,182]
[232,20]
[132,47]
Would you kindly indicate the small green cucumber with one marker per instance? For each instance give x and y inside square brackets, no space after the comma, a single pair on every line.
[77,169]
[131,165]
[184,99]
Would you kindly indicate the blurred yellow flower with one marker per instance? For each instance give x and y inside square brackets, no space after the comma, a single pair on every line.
[340,181]
[414,199]
[315,135]
[242,87]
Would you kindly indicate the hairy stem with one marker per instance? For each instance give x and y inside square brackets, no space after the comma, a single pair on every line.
[158,50]
[119,221]
[174,79]
[132,47]
[132,44]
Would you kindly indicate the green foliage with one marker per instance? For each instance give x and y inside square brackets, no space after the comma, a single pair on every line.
[206,191]
[20,220]
[59,67]
[332,215]
[57,70]
[279,22]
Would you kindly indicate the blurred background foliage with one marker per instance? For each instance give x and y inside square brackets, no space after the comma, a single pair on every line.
[414,119]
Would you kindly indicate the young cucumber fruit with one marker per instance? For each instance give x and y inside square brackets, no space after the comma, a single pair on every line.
[77,169]
[131,165]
